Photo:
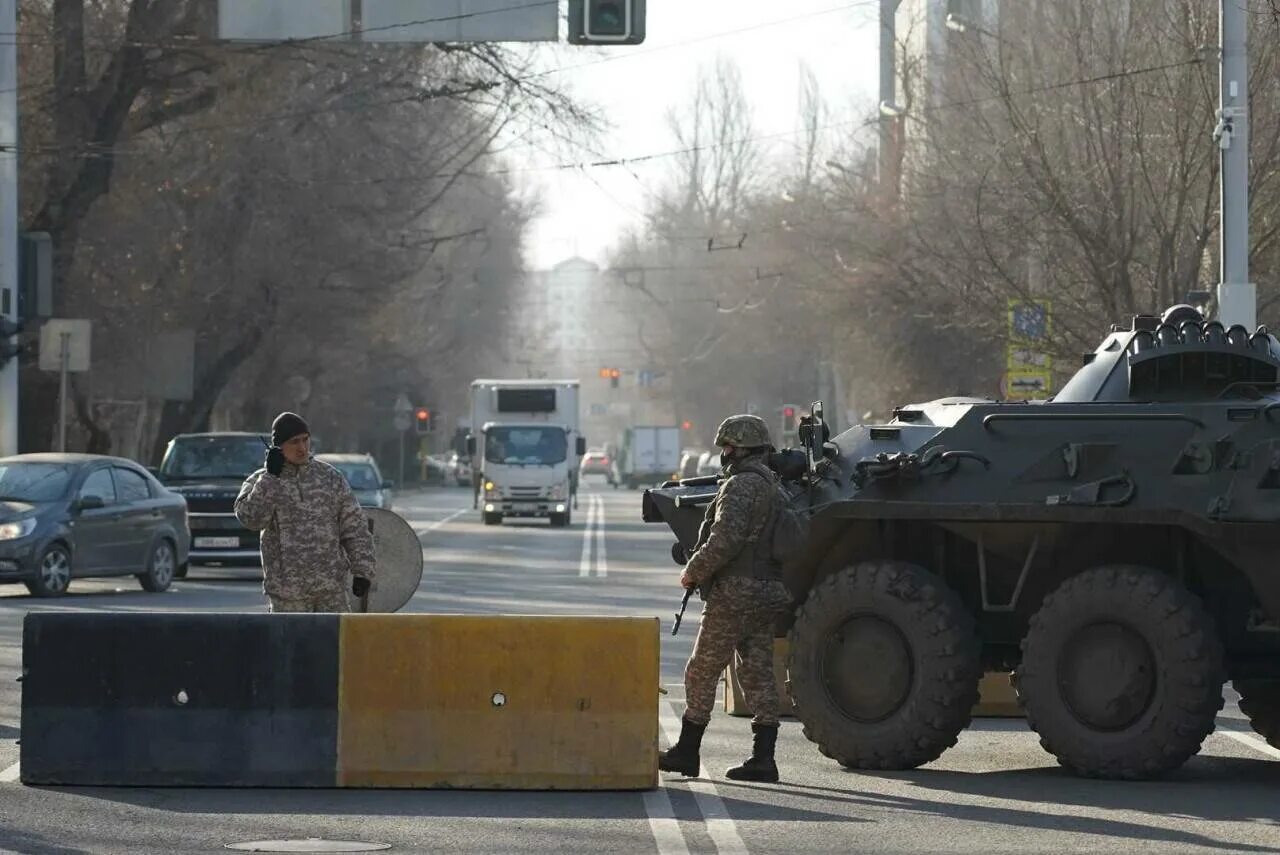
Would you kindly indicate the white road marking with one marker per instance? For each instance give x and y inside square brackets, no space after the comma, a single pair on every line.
[584,563]
[720,826]
[444,522]
[602,563]
[1254,742]
[663,823]
[10,775]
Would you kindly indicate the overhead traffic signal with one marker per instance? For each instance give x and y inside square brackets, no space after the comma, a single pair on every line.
[606,22]
[422,421]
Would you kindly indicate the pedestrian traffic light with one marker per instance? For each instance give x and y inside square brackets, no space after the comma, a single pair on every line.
[422,420]
[606,22]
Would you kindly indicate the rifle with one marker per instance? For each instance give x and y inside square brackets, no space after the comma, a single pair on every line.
[684,604]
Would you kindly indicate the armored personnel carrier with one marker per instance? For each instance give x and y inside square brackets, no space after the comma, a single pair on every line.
[1117,547]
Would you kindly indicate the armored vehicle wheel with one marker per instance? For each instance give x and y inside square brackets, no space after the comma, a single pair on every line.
[1260,701]
[1121,673]
[884,666]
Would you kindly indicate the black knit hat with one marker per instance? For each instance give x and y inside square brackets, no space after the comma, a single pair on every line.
[286,427]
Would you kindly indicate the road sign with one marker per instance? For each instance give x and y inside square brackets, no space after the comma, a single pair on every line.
[403,421]
[417,21]
[402,404]
[1029,320]
[256,21]
[460,21]
[77,333]
[1026,385]
[1022,358]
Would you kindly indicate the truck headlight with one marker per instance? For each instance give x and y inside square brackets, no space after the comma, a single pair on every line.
[488,485]
[15,530]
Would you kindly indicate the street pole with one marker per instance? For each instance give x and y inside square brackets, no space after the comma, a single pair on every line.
[886,160]
[401,479]
[1237,296]
[9,215]
[64,356]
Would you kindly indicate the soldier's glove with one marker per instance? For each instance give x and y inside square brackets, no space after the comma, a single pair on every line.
[275,460]
[360,586]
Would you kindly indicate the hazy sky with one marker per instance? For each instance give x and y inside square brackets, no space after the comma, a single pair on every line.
[583,214]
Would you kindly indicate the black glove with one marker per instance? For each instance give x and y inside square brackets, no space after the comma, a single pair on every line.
[275,460]
[359,586]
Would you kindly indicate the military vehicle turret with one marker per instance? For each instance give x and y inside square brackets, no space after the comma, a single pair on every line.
[1117,547]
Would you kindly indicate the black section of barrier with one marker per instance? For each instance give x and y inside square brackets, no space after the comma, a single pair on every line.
[180,699]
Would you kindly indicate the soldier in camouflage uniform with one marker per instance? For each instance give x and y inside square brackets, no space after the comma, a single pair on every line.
[734,569]
[316,543]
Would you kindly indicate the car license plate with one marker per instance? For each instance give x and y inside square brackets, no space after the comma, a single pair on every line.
[216,542]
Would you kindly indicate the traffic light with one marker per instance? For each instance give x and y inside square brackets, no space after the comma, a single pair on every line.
[422,420]
[790,422]
[606,22]
[686,425]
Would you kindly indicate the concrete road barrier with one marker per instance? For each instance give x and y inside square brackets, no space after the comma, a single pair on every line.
[498,702]
[339,700]
[996,696]
[179,699]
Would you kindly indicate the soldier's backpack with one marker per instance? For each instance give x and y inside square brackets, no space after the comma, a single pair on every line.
[790,528]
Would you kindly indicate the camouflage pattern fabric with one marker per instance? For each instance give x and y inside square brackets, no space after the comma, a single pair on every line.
[735,516]
[743,431]
[315,537]
[740,612]
[322,600]
[738,618]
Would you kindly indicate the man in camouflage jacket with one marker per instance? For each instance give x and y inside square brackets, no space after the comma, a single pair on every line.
[316,543]
[734,569]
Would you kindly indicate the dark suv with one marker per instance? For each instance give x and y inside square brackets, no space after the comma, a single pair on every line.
[207,470]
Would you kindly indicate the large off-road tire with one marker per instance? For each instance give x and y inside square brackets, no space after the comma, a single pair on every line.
[1260,701]
[1121,673]
[884,666]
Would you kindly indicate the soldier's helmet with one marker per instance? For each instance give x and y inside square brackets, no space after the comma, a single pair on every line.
[743,431]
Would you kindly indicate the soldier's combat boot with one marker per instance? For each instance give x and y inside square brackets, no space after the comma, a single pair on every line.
[759,766]
[683,757]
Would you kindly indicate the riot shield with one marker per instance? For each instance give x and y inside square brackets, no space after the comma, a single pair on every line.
[399,556]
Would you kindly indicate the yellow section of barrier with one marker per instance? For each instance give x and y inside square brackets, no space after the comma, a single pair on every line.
[498,702]
[996,698]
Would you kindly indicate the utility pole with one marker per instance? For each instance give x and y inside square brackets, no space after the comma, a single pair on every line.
[9,216]
[1237,296]
[890,116]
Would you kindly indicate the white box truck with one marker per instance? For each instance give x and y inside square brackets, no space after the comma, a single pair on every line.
[525,448]
[650,455]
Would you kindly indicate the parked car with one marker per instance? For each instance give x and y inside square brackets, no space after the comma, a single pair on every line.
[207,469]
[67,516]
[598,463]
[708,463]
[361,472]
[460,469]
[689,463]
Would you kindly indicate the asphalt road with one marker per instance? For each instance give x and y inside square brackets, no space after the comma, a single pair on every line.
[997,791]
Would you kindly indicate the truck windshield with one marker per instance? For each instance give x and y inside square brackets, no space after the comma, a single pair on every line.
[193,457]
[526,446]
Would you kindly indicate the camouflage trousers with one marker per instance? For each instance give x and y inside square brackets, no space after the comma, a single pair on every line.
[738,619]
[319,600]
